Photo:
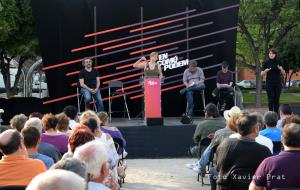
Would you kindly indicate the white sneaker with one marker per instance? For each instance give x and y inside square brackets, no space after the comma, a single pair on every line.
[191,166]
[197,169]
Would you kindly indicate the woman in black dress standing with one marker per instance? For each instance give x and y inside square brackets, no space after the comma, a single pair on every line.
[273,70]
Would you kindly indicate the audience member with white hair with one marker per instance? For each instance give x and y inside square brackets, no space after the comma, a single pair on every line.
[94,155]
[58,180]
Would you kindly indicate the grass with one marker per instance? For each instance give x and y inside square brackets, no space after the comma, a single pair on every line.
[285,98]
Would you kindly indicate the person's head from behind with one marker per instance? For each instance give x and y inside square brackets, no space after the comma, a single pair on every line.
[79,136]
[94,155]
[18,122]
[32,137]
[285,110]
[11,142]
[291,136]
[49,122]
[87,62]
[247,126]
[34,122]
[62,122]
[58,180]
[91,120]
[270,119]
[260,120]
[71,112]
[36,114]
[232,122]
[153,56]
[103,116]
[73,165]
[292,119]
[193,66]
[273,53]
[211,111]
[224,66]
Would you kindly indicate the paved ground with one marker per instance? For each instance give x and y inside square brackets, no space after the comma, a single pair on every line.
[161,174]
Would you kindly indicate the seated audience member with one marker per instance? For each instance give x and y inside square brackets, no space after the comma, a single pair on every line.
[224,91]
[292,119]
[271,131]
[193,80]
[72,113]
[44,148]
[209,125]
[62,123]
[36,114]
[285,111]
[112,131]
[18,121]
[51,135]
[94,155]
[262,139]
[72,165]
[58,180]
[32,140]
[281,171]
[16,169]
[79,136]
[241,152]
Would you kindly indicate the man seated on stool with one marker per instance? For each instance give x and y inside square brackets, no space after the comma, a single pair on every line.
[89,79]
[193,79]
[224,85]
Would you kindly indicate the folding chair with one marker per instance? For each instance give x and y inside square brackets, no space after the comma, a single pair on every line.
[119,145]
[80,98]
[119,90]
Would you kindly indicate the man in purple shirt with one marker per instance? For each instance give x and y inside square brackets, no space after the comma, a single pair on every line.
[193,79]
[281,171]
[224,86]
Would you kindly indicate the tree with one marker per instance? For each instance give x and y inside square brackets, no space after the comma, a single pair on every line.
[17,40]
[263,24]
[289,50]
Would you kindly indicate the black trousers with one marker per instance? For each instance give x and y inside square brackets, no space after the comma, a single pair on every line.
[273,92]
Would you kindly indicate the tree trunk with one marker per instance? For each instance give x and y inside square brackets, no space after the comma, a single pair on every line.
[258,101]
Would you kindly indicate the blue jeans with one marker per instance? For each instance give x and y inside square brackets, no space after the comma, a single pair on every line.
[190,95]
[88,97]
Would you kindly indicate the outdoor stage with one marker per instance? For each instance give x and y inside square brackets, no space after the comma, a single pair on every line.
[169,141]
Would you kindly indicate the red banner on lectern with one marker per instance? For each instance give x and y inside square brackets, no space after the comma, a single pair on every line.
[152,98]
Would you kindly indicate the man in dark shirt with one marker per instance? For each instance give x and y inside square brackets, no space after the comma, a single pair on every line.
[224,86]
[241,152]
[89,80]
[281,171]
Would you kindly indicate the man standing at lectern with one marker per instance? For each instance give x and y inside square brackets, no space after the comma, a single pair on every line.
[89,79]
[193,79]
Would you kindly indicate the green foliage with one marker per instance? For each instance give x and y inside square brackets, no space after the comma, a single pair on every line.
[17,28]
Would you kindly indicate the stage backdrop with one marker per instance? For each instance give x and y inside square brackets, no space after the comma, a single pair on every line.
[116,33]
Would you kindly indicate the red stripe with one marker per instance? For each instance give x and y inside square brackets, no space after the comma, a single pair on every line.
[155,25]
[132,42]
[124,66]
[107,31]
[137,96]
[62,64]
[152,48]
[130,87]
[121,78]
[61,98]
[172,87]
[94,45]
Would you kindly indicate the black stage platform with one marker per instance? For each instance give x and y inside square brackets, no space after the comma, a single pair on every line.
[169,141]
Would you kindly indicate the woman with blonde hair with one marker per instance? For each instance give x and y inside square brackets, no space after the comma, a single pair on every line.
[113,131]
